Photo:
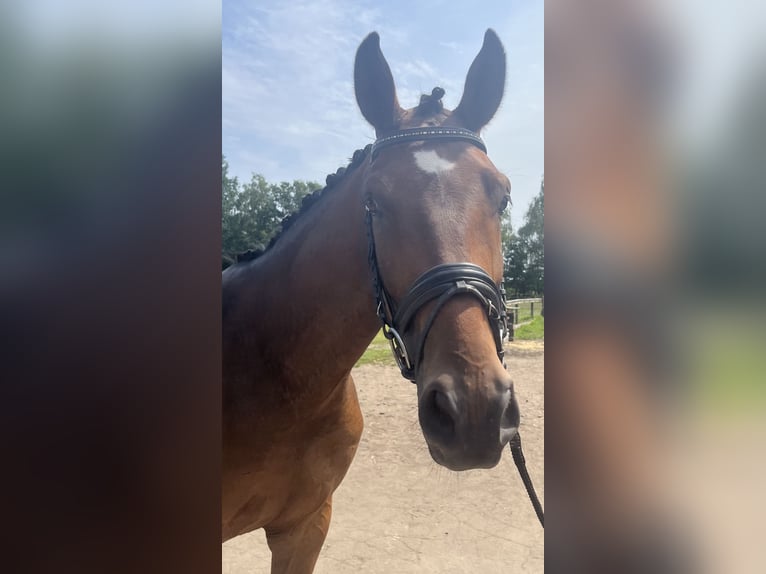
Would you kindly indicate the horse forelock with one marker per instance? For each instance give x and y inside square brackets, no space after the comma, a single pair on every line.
[429,111]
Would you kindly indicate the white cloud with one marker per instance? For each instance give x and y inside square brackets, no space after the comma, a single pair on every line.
[287,82]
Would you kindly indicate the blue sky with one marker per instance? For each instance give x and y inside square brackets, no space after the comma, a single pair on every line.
[289,110]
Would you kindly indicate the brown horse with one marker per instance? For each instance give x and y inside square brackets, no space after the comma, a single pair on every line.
[411,229]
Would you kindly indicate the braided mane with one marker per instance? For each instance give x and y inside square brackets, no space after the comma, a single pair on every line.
[331,182]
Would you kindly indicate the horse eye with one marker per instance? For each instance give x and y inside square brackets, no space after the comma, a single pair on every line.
[504,204]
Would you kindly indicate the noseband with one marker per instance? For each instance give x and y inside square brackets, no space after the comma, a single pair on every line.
[440,283]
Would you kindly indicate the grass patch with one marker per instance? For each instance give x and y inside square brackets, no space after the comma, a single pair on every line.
[378,353]
[533,330]
[524,312]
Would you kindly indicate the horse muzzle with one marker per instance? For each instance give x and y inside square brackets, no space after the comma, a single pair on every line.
[468,429]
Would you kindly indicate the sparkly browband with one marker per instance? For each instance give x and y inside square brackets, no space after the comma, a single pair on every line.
[435,133]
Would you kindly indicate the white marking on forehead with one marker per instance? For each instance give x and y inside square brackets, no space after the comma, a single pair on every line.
[430,162]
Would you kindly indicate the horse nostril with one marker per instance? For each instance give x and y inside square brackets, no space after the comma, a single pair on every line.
[438,413]
[510,417]
[444,408]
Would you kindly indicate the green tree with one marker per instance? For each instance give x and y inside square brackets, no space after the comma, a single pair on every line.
[253,211]
[232,222]
[524,254]
[532,233]
[515,269]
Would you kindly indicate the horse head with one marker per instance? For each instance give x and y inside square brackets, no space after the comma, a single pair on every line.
[434,207]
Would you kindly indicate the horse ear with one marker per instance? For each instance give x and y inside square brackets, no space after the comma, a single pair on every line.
[374,86]
[484,84]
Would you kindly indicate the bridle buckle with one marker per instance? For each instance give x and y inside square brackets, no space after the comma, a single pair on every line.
[399,350]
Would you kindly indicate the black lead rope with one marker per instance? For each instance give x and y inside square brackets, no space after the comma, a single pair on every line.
[518,458]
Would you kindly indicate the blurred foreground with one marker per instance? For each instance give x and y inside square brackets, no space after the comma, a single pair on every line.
[655,261]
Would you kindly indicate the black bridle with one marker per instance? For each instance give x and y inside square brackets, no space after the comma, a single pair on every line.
[439,284]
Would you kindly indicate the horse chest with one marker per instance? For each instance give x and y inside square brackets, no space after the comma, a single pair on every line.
[275,476]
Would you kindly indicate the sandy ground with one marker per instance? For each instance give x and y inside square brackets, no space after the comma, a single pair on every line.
[399,512]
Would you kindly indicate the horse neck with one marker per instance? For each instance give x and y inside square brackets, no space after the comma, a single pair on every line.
[312,303]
